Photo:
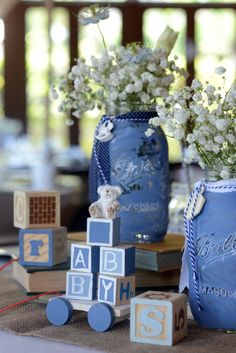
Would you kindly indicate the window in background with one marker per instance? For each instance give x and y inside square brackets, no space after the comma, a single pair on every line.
[1,68]
[37,71]
[90,43]
[215,44]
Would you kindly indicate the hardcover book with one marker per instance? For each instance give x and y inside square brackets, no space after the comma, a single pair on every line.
[161,256]
[41,279]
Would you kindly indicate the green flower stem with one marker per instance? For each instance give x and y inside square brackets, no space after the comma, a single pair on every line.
[103,39]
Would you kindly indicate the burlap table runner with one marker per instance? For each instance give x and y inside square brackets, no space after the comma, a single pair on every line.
[30,319]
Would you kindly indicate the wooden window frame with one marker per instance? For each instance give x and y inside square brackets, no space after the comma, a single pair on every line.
[14,44]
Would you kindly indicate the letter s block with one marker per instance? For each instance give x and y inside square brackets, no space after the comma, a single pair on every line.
[117,261]
[81,285]
[116,290]
[158,318]
[84,258]
[36,209]
[43,247]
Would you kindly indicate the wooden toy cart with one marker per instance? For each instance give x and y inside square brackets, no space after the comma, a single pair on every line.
[101,316]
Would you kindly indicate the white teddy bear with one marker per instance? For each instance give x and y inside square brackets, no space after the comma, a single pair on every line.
[107,205]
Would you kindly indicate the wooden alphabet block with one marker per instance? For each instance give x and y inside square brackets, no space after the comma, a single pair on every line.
[158,318]
[84,258]
[117,261]
[116,290]
[36,209]
[81,285]
[43,247]
[103,231]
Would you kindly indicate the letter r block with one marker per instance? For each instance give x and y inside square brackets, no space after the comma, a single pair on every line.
[102,231]
[43,247]
[84,258]
[158,318]
[116,290]
[81,285]
[117,261]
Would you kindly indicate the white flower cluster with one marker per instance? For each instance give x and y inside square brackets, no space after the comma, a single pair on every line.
[93,15]
[204,118]
[120,77]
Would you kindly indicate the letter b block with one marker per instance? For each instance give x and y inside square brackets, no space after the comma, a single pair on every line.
[84,258]
[102,231]
[81,285]
[43,247]
[117,261]
[158,318]
[116,290]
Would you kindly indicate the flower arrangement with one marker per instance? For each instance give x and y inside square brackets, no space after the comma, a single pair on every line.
[121,77]
[204,118]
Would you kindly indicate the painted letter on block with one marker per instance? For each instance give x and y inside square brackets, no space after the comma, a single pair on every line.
[84,258]
[117,261]
[158,318]
[116,290]
[42,247]
[81,285]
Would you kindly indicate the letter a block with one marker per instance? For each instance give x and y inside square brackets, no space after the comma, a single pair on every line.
[102,231]
[84,258]
[116,290]
[36,209]
[117,261]
[81,285]
[43,247]
[158,318]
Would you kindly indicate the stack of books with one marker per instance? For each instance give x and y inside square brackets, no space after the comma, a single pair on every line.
[158,264]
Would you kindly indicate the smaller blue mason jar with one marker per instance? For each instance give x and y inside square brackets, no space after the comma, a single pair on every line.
[139,165]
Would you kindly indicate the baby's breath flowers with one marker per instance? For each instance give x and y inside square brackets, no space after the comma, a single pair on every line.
[121,78]
[204,118]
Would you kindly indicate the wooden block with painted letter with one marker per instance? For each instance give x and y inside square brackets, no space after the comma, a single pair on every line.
[117,261]
[80,285]
[103,231]
[36,209]
[84,258]
[158,318]
[43,247]
[116,290]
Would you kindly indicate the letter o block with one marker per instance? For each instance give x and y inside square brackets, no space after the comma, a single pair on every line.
[158,318]
[43,247]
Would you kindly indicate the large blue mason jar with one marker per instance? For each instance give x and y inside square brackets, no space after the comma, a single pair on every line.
[212,254]
[123,155]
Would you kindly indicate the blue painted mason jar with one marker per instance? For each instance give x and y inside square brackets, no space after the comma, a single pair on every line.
[212,256]
[124,156]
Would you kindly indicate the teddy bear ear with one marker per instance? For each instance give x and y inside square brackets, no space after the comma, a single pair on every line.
[118,191]
[100,189]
